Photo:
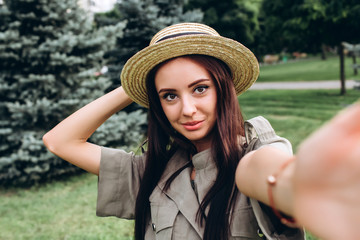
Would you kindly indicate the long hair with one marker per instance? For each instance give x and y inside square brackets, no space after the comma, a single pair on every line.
[163,141]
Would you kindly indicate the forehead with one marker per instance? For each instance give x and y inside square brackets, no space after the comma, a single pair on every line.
[180,70]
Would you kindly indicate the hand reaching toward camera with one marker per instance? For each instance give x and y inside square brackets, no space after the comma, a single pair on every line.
[327,178]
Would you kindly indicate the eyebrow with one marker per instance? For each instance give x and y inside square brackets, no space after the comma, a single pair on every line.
[198,81]
[189,86]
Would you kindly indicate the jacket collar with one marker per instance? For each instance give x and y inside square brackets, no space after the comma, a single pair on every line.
[180,190]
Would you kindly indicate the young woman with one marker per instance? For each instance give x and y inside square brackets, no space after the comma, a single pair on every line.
[183,186]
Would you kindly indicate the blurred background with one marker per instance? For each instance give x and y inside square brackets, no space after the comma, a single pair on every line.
[56,56]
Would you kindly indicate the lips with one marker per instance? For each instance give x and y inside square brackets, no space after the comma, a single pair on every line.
[192,126]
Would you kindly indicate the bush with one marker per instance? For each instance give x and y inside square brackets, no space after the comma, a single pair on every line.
[122,130]
[32,163]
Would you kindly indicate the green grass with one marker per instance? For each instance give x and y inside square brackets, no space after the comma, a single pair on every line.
[295,114]
[66,209]
[58,210]
[306,70]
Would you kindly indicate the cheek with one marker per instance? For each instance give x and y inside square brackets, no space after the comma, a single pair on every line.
[170,112]
[213,115]
[213,104]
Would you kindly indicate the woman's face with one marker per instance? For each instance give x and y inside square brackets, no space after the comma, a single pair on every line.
[188,97]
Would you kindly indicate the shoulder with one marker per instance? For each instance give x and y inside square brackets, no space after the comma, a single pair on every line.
[259,132]
[112,158]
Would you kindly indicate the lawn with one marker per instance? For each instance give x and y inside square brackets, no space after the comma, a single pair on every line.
[66,209]
[58,210]
[295,114]
[306,70]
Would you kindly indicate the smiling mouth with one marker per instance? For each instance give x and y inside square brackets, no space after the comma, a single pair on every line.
[191,126]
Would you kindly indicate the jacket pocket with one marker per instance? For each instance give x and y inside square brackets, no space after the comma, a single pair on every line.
[244,225]
[162,219]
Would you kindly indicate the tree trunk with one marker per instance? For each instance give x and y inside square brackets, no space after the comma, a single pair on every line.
[342,70]
[354,63]
[323,52]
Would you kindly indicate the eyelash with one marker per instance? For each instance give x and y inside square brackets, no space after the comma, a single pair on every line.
[205,87]
[166,95]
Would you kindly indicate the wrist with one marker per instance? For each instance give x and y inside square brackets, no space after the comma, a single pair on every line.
[280,191]
[122,98]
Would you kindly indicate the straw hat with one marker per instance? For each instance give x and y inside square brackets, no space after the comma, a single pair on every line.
[184,39]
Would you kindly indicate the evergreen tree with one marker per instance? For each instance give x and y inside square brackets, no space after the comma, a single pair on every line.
[48,56]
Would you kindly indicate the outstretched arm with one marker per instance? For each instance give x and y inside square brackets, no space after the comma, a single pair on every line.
[68,139]
[321,187]
[253,171]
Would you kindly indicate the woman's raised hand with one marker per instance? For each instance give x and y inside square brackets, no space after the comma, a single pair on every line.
[327,178]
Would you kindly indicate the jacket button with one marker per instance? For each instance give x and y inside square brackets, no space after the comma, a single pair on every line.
[153,227]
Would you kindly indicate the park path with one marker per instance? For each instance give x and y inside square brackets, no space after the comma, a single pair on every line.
[334,84]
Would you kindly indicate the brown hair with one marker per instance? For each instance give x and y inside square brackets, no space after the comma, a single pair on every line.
[163,141]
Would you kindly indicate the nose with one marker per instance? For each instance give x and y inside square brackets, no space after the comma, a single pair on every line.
[188,106]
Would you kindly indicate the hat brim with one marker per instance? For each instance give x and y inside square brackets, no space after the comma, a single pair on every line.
[241,61]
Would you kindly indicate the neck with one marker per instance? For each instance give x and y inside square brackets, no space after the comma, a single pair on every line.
[203,144]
